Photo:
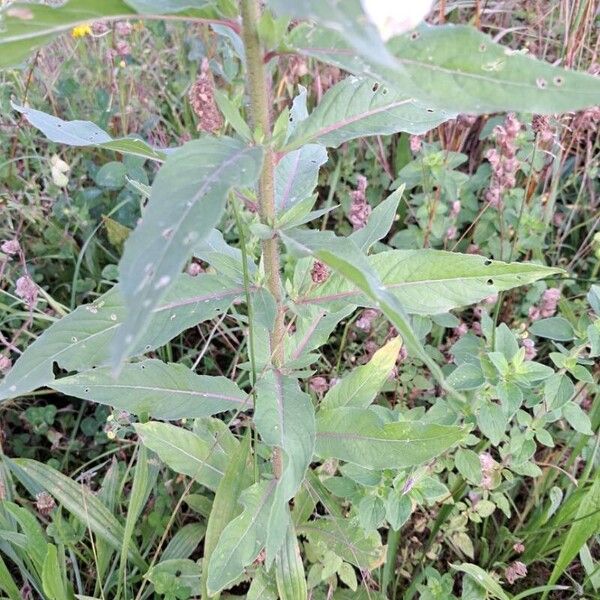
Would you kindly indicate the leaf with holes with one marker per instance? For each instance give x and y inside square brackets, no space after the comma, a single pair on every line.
[85,133]
[196,180]
[456,68]
[362,437]
[285,419]
[204,460]
[359,107]
[81,340]
[347,540]
[432,282]
[162,391]
[360,386]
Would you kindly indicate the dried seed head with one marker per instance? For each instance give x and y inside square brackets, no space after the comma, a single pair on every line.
[515,571]
[319,272]
[44,503]
[11,247]
[416,142]
[202,101]
[318,384]
[5,363]
[27,290]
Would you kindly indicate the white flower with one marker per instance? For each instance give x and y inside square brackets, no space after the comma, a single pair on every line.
[393,17]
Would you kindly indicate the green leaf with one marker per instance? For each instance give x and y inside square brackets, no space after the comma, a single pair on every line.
[432,282]
[79,501]
[225,507]
[379,223]
[358,107]
[554,328]
[81,340]
[349,542]
[577,418]
[468,465]
[161,7]
[185,452]
[314,326]
[85,133]
[232,113]
[343,255]
[196,179]
[462,69]
[467,376]
[484,579]
[492,421]
[243,538]
[289,570]
[398,508]
[296,175]
[163,391]
[285,419]
[359,388]
[371,512]
[362,437]
[176,574]
[451,66]
[7,583]
[52,582]
[347,20]
[144,479]
[185,542]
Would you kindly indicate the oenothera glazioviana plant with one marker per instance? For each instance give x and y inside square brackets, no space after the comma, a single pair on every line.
[410,83]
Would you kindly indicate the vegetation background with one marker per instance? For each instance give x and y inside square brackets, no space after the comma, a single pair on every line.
[517,187]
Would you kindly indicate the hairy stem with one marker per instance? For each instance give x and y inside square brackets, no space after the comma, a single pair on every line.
[259,91]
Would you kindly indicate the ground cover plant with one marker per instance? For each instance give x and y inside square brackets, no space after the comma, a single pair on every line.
[299,300]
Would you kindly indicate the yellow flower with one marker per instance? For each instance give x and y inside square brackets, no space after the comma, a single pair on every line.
[81,31]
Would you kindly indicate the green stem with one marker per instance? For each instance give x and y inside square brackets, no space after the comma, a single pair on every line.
[258,88]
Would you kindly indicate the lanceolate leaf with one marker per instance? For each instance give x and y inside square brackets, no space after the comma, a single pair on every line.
[361,437]
[85,133]
[226,506]
[243,538]
[360,106]
[433,282]
[296,175]
[457,68]
[379,223]
[185,452]
[343,255]
[162,391]
[81,340]
[462,69]
[359,388]
[187,200]
[289,572]
[28,26]
[585,525]
[80,502]
[284,417]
